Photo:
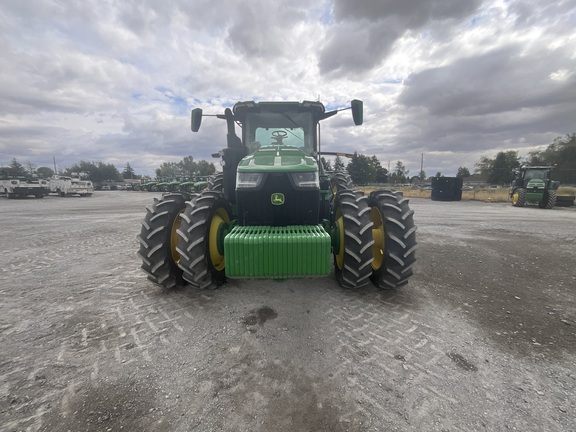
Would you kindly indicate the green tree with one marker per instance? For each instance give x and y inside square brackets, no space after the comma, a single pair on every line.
[16,168]
[503,166]
[206,168]
[45,172]
[422,175]
[169,169]
[188,167]
[96,171]
[561,154]
[361,169]
[326,164]
[339,164]
[400,173]
[463,172]
[484,167]
[128,172]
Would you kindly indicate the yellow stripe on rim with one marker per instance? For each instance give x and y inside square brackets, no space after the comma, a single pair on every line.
[219,220]
[378,234]
[515,197]
[174,237]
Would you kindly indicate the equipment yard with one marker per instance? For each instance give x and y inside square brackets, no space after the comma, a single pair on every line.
[481,338]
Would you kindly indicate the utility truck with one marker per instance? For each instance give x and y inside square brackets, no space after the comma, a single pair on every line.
[66,186]
[20,187]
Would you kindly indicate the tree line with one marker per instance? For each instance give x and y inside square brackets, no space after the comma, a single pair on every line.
[98,171]
[561,155]
[362,169]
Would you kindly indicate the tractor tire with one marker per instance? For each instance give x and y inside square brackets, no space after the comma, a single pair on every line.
[548,199]
[519,197]
[200,239]
[394,234]
[158,240]
[340,181]
[353,250]
[216,182]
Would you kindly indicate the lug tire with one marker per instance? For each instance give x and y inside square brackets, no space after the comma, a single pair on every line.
[340,181]
[519,197]
[548,199]
[158,241]
[202,265]
[216,182]
[394,234]
[353,227]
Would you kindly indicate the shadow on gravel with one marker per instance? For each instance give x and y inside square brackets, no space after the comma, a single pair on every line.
[517,288]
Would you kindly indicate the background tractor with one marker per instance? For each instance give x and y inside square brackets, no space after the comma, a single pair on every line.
[275,213]
[534,185]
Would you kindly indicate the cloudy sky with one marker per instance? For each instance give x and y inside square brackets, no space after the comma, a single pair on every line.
[115,80]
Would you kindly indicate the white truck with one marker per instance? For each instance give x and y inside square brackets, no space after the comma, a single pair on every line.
[20,187]
[66,186]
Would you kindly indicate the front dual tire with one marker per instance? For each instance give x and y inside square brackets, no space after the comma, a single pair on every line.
[182,237]
[375,239]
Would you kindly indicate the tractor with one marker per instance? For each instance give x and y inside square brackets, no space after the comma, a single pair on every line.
[275,213]
[534,185]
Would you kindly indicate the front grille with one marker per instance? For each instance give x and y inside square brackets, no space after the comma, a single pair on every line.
[300,207]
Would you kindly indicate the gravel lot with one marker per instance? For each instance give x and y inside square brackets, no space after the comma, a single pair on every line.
[482,338]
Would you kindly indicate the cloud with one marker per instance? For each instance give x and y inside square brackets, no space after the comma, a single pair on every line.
[115,81]
[366,31]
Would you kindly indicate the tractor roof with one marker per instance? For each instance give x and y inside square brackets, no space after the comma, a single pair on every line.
[537,167]
[242,108]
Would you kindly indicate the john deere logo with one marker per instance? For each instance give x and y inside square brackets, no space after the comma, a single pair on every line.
[277,199]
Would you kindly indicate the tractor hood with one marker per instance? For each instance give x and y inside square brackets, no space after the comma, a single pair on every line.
[536,183]
[278,158]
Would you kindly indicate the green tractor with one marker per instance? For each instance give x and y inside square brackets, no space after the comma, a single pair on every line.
[534,185]
[274,213]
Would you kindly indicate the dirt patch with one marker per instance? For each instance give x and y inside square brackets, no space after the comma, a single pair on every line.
[126,405]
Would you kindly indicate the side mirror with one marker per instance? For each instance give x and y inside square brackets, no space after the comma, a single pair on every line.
[357,112]
[196,119]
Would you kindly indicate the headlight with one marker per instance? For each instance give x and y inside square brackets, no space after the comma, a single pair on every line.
[248,180]
[306,179]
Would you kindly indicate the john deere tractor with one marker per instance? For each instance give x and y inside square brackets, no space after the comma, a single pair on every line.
[534,185]
[275,213]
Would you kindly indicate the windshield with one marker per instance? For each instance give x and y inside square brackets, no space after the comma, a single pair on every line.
[271,128]
[535,174]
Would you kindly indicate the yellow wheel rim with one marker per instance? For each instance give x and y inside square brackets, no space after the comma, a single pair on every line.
[174,237]
[340,233]
[515,198]
[219,220]
[378,234]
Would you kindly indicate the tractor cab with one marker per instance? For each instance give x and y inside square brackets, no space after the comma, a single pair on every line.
[277,138]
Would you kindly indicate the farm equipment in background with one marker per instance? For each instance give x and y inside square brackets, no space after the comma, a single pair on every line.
[274,212]
[20,187]
[66,186]
[534,185]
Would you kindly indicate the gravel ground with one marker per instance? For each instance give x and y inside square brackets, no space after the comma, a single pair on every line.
[482,338]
